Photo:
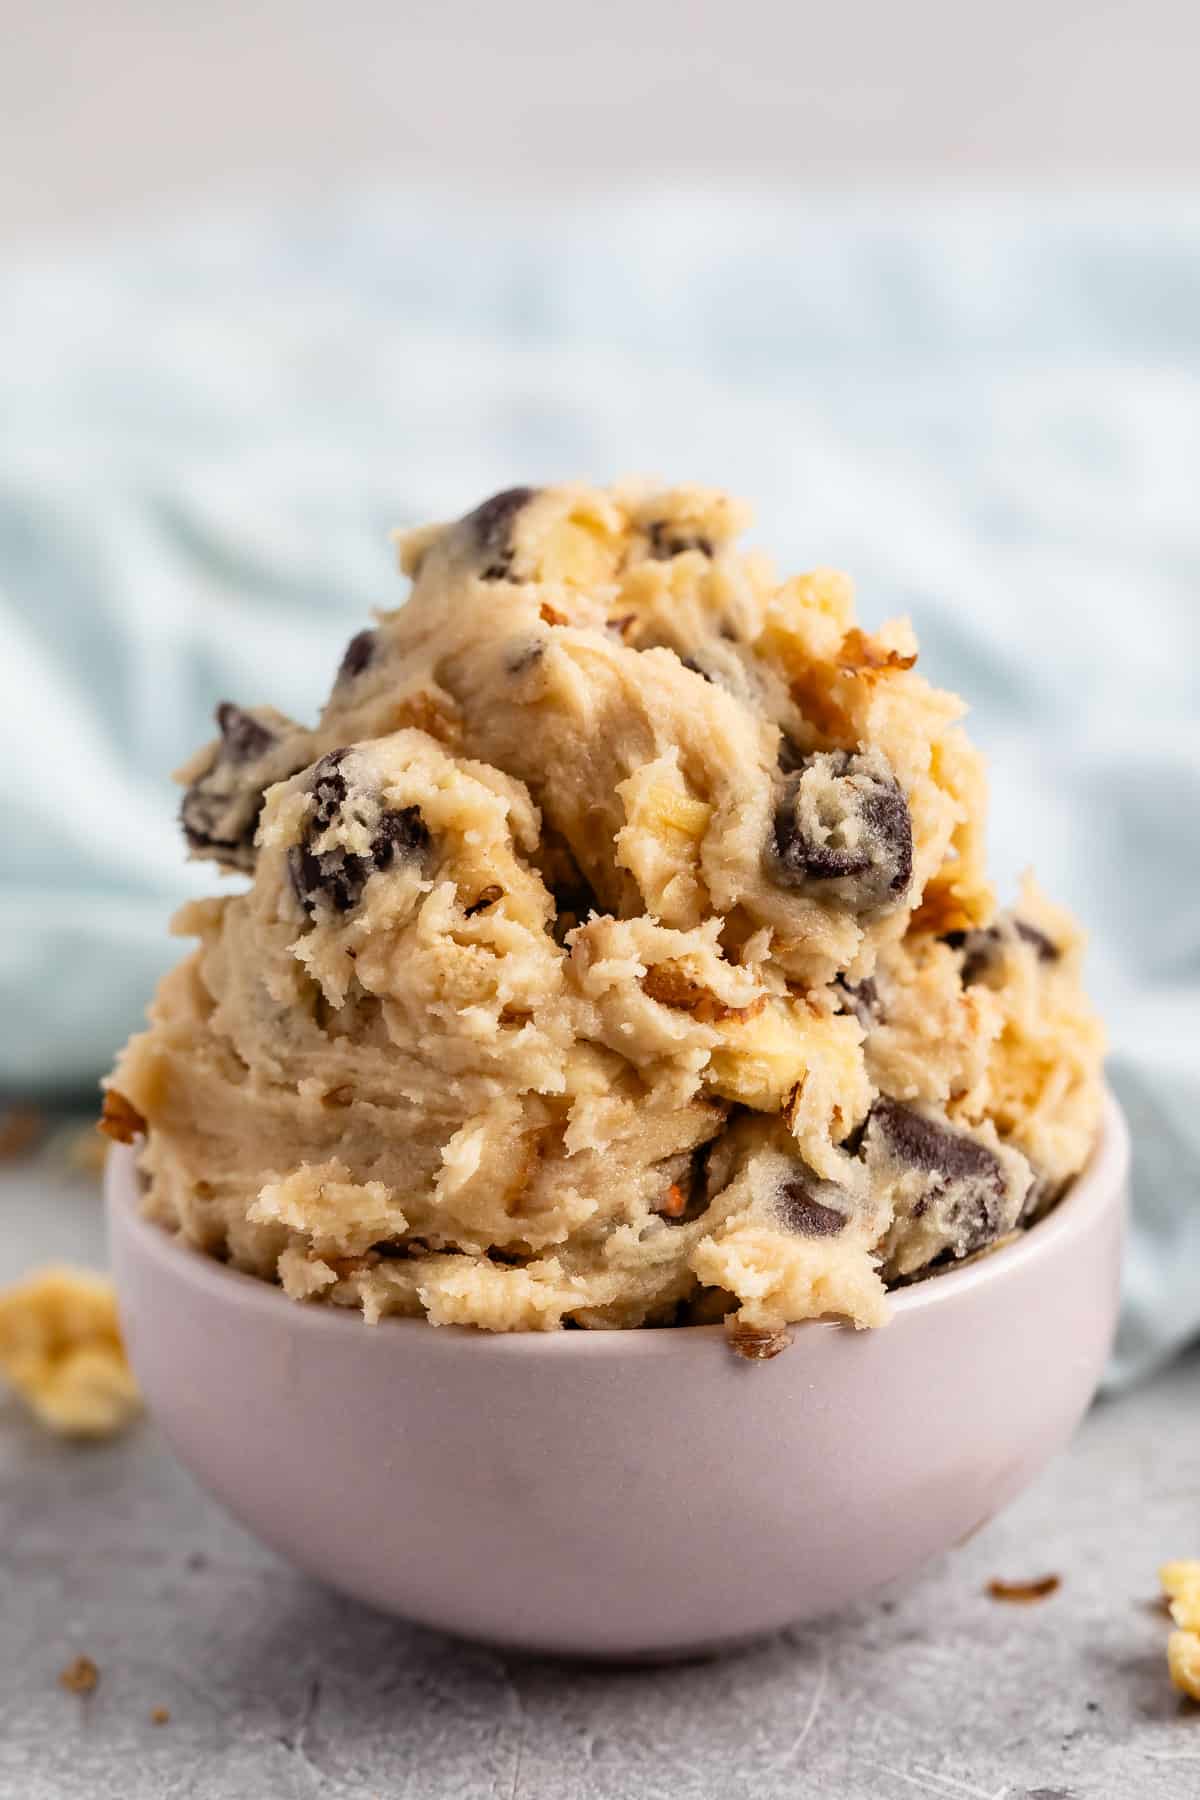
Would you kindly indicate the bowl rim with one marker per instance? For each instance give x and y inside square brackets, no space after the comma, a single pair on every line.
[1098,1186]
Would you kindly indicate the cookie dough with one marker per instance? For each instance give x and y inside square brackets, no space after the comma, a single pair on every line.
[618,950]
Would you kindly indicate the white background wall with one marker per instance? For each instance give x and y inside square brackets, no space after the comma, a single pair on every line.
[113,108]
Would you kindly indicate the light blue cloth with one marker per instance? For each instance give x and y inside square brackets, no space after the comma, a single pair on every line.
[988,410]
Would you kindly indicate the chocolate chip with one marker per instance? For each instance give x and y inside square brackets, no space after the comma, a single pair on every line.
[800,1210]
[338,876]
[1047,950]
[924,1144]
[965,1194]
[982,948]
[401,834]
[219,812]
[358,655]
[842,817]
[491,525]
[243,737]
[666,542]
[522,654]
[864,1000]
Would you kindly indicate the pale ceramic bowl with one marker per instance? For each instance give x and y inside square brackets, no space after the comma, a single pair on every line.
[624,1493]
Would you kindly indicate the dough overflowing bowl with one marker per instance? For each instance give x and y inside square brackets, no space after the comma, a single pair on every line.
[624,1493]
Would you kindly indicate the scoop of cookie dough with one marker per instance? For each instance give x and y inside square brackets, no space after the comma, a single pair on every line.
[618,950]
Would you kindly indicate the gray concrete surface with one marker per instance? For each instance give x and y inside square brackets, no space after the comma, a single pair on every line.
[279,1690]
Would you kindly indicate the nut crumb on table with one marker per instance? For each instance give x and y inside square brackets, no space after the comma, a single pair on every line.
[1025,1593]
[80,1676]
[61,1351]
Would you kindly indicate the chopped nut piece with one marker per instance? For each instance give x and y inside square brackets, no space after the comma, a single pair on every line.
[160,1715]
[671,987]
[119,1119]
[80,1676]
[756,1344]
[1023,1593]
[60,1348]
[674,1204]
[551,615]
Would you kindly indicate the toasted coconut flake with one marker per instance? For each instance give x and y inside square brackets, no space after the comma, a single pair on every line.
[668,984]
[863,655]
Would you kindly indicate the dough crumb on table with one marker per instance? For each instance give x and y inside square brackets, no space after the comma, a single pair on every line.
[1181,1587]
[61,1351]
[615,949]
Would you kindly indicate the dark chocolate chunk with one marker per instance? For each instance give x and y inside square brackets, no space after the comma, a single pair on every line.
[338,876]
[965,1188]
[1047,950]
[522,654]
[842,818]
[358,655]
[981,949]
[925,1144]
[665,542]
[243,737]
[219,812]
[491,525]
[801,1211]
[864,1000]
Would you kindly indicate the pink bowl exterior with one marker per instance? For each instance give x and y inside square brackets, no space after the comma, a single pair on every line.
[623,1493]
